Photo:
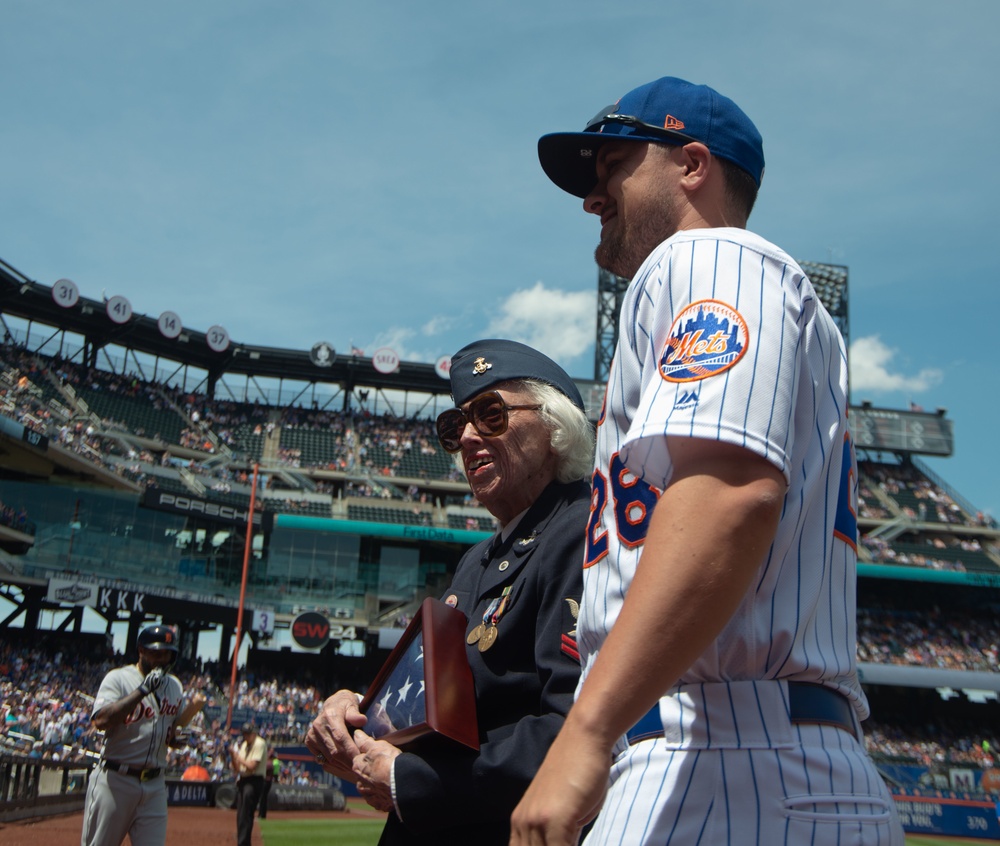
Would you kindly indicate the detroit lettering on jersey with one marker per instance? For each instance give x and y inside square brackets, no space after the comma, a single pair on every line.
[142,711]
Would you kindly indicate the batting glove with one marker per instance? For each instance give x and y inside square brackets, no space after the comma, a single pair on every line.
[152,681]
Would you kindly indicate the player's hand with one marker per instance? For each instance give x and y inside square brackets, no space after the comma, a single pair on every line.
[329,736]
[373,769]
[178,738]
[154,678]
[565,795]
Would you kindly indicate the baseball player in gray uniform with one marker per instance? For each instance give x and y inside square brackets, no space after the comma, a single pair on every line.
[717,627]
[138,707]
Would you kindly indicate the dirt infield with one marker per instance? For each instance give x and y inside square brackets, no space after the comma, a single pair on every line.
[185,826]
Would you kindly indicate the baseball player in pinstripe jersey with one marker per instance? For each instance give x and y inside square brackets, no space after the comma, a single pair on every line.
[717,627]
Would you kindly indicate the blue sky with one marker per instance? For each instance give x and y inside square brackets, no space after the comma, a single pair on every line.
[366,174]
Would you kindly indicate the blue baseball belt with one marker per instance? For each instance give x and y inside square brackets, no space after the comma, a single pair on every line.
[807,703]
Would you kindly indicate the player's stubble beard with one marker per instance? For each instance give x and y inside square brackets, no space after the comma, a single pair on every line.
[146,667]
[634,236]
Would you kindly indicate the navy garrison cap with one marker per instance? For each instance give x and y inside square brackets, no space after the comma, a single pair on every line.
[483,364]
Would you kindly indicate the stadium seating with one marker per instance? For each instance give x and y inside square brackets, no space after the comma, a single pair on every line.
[317,448]
[400,454]
[383,514]
[137,412]
[918,747]
[386,469]
[970,560]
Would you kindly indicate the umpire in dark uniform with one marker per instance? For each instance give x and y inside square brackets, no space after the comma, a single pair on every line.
[526,446]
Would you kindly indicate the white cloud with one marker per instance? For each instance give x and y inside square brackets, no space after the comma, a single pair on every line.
[558,323]
[872,369]
[396,338]
[437,325]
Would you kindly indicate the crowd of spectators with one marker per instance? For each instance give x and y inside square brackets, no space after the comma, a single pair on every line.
[16,517]
[47,693]
[929,638]
[931,501]
[373,445]
[883,552]
[868,503]
[47,687]
[21,399]
[936,743]
[357,440]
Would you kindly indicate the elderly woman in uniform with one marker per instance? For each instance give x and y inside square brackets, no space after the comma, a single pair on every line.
[526,446]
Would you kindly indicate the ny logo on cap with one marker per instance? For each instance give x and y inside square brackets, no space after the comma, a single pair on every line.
[480,366]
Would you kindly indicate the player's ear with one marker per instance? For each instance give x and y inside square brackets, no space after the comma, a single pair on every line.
[696,162]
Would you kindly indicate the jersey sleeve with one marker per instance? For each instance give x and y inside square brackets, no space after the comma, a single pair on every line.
[113,687]
[715,337]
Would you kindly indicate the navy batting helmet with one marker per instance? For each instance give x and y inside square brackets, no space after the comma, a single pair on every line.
[158,637]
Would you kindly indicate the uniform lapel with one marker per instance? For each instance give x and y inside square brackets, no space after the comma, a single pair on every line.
[512,555]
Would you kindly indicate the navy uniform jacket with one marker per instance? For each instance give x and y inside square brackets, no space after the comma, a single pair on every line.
[524,683]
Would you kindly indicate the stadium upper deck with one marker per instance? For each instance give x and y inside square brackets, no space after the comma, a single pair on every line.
[356,466]
[360,513]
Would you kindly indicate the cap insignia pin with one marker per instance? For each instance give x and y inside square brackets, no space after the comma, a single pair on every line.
[480,366]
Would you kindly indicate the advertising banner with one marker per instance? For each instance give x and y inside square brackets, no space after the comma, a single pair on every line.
[953,817]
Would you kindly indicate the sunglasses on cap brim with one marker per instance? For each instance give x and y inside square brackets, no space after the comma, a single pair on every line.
[608,115]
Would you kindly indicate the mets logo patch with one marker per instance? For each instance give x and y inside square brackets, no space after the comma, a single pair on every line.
[707,338]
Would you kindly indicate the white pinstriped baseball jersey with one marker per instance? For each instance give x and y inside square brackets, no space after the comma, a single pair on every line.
[723,337]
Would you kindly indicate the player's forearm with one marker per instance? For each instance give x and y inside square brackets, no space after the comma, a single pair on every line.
[115,712]
[692,576]
[191,709]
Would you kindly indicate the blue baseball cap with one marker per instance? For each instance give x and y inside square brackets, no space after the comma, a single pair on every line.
[482,364]
[667,111]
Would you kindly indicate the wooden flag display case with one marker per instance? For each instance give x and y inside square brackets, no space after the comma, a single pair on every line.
[425,686]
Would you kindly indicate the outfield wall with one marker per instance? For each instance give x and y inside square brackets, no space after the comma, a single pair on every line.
[949,817]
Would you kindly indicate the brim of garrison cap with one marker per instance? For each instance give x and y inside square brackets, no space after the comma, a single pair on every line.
[513,361]
[569,159]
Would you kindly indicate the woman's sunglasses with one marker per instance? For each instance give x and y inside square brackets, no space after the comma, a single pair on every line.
[487,413]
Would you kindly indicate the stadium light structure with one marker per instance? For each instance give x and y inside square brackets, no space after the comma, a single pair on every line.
[830,282]
[610,290]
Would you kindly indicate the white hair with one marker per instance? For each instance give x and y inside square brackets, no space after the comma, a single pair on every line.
[572,436]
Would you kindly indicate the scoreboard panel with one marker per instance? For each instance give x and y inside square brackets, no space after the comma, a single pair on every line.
[901,431]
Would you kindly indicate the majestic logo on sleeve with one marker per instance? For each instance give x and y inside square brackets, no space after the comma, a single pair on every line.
[707,338]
